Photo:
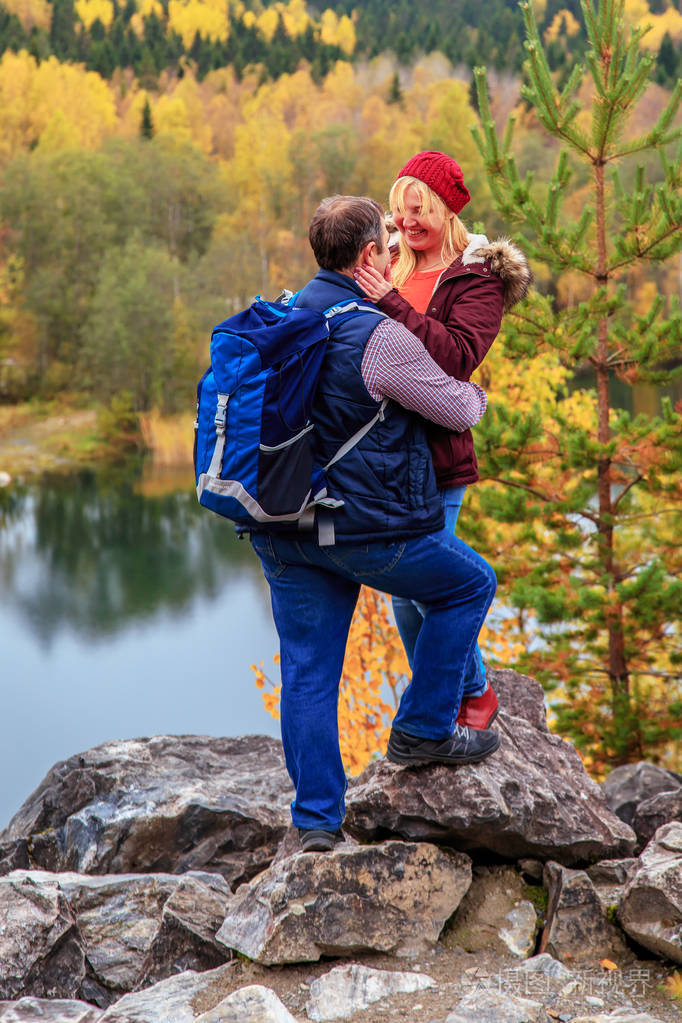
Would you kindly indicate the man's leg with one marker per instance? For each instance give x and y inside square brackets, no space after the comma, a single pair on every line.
[312,609]
[456,586]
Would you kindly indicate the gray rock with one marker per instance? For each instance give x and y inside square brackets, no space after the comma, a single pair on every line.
[532,869]
[578,928]
[349,989]
[611,873]
[166,804]
[42,1010]
[174,1000]
[520,929]
[628,786]
[253,1004]
[531,798]
[123,931]
[185,938]
[519,696]
[546,965]
[495,1007]
[485,918]
[41,948]
[653,813]
[651,906]
[392,897]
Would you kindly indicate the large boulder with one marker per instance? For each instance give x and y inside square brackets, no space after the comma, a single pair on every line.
[532,797]
[166,804]
[393,897]
[651,906]
[73,936]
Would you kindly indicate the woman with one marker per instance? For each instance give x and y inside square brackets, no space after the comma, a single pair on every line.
[450,289]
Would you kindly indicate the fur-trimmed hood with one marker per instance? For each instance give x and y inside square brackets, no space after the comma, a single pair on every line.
[504,259]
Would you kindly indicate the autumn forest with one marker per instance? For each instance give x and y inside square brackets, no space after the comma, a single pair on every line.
[159,163]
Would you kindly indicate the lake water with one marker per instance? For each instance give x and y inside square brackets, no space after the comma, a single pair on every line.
[124,611]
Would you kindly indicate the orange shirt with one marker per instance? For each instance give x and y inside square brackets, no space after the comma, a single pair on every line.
[418,288]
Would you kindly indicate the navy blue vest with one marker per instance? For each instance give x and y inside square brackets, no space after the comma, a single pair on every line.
[387,481]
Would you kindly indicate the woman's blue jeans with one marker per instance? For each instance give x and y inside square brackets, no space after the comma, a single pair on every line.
[409,614]
[314,591]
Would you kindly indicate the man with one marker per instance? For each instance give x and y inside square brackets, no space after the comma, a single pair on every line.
[388,535]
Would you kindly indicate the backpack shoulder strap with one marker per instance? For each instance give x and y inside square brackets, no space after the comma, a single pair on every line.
[352,307]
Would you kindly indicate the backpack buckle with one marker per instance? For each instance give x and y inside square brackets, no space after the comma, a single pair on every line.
[221,413]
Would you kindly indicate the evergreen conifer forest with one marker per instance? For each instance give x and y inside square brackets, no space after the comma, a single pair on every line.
[159,164]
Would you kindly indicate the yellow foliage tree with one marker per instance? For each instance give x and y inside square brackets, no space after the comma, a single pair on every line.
[669,21]
[564,23]
[295,16]
[77,104]
[266,22]
[90,11]
[31,13]
[181,114]
[208,18]
[337,31]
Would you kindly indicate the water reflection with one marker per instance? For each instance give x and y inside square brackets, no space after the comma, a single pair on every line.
[94,555]
[125,610]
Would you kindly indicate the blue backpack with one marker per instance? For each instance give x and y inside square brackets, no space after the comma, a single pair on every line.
[253,452]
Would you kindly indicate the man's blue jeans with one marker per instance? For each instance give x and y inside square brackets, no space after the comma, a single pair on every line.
[314,591]
[409,614]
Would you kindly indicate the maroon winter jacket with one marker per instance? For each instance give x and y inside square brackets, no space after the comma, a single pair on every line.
[461,323]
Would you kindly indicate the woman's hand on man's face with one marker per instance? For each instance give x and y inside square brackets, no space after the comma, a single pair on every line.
[374,284]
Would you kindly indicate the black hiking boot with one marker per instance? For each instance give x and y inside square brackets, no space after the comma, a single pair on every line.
[318,840]
[464,746]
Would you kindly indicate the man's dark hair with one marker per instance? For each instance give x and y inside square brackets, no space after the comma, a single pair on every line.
[341,227]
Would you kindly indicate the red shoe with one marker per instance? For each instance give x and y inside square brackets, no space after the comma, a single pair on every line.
[478,711]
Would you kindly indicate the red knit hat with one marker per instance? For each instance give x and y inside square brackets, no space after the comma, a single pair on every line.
[442,174]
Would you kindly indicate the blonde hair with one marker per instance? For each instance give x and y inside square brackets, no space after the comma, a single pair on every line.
[455,234]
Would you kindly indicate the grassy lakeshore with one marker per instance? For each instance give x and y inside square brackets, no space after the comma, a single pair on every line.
[37,438]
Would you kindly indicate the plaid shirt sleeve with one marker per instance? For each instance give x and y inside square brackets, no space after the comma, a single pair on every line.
[397,365]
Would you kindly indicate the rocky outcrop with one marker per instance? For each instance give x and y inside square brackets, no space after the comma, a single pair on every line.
[651,906]
[166,804]
[138,947]
[392,897]
[532,797]
[579,926]
[72,936]
[645,797]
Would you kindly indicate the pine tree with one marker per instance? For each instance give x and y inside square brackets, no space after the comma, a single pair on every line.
[597,500]
[147,124]
[395,93]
